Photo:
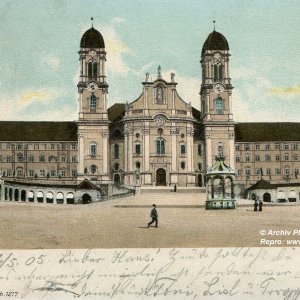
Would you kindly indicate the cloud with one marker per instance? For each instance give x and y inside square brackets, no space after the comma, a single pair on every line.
[51,60]
[285,91]
[33,96]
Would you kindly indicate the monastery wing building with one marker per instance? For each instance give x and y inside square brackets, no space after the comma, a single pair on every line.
[158,139]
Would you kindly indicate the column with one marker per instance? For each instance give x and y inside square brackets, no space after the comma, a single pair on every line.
[105,152]
[146,149]
[81,153]
[174,148]
[54,198]
[125,151]
[34,196]
[208,150]
[190,134]
[27,197]
[130,152]
[173,101]
[231,150]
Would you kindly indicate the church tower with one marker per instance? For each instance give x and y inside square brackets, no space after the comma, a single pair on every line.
[93,121]
[216,99]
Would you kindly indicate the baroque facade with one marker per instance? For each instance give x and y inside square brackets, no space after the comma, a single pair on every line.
[159,139]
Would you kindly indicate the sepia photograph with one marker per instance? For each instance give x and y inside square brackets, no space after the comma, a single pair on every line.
[138,129]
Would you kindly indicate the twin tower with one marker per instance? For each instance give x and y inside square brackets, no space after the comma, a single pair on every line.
[214,122]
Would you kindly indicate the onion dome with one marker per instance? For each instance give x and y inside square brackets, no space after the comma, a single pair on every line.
[92,38]
[215,41]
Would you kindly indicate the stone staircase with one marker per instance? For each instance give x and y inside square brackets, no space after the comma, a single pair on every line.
[164,189]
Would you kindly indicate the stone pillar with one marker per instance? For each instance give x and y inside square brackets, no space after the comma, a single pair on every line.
[173,148]
[105,152]
[54,198]
[27,196]
[81,153]
[231,150]
[34,196]
[126,151]
[45,197]
[190,134]
[146,149]
[208,150]
[130,152]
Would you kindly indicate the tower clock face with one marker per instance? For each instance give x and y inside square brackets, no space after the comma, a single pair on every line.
[92,86]
[218,88]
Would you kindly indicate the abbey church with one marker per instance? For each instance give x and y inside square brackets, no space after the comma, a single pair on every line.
[157,139]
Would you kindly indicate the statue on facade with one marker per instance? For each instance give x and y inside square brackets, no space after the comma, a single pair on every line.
[147,77]
[172,77]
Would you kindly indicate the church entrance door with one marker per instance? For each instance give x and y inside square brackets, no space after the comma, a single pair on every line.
[161,177]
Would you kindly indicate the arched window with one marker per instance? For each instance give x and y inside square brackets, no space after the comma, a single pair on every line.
[199,149]
[217,72]
[93,149]
[219,106]
[93,103]
[116,151]
[160,146]
[92,69]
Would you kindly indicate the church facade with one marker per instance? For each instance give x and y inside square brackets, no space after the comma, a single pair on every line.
[159,139]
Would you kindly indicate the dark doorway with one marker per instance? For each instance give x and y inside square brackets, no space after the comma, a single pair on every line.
[86,198]
[117,179]
[161,177]
[200,183]
[267,197]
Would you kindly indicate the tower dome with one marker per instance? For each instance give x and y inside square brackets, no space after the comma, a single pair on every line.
[92,38]
[215,41]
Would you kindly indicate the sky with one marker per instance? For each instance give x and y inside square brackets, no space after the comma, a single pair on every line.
[39,44]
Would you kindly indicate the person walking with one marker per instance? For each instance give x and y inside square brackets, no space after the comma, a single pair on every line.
[175,188]
[154,216]
[260,206]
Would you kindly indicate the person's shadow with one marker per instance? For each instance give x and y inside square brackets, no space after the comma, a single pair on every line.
[143,227]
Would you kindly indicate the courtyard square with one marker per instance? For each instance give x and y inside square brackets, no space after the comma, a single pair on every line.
[183,222]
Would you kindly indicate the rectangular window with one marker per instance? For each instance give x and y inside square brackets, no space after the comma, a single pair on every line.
[247,157]
[200,150]
[31,173]
[277,146]
[182,149]
[8,147]
[52,173]
[219,106]
[8,159]
[74,147]
[287,171]
[257,171]
[63,159]
[63,146]
[52,147]
[63,173]
[42,158]
[93,150]
[237,147]
[277,171]
[257,158]
[237,159]
[18,146]
[277,157]
[74,159]
[267,147]
[248,171]
[31,158]
[286,146]
[295,157]
[247,147]
[116,151]
[295,146]
[36,147]
[138,149]
[8,173]
[239,172]
[286,156]
[74,173]
[268,171]
[257,146]
[268,157]
[42,173]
